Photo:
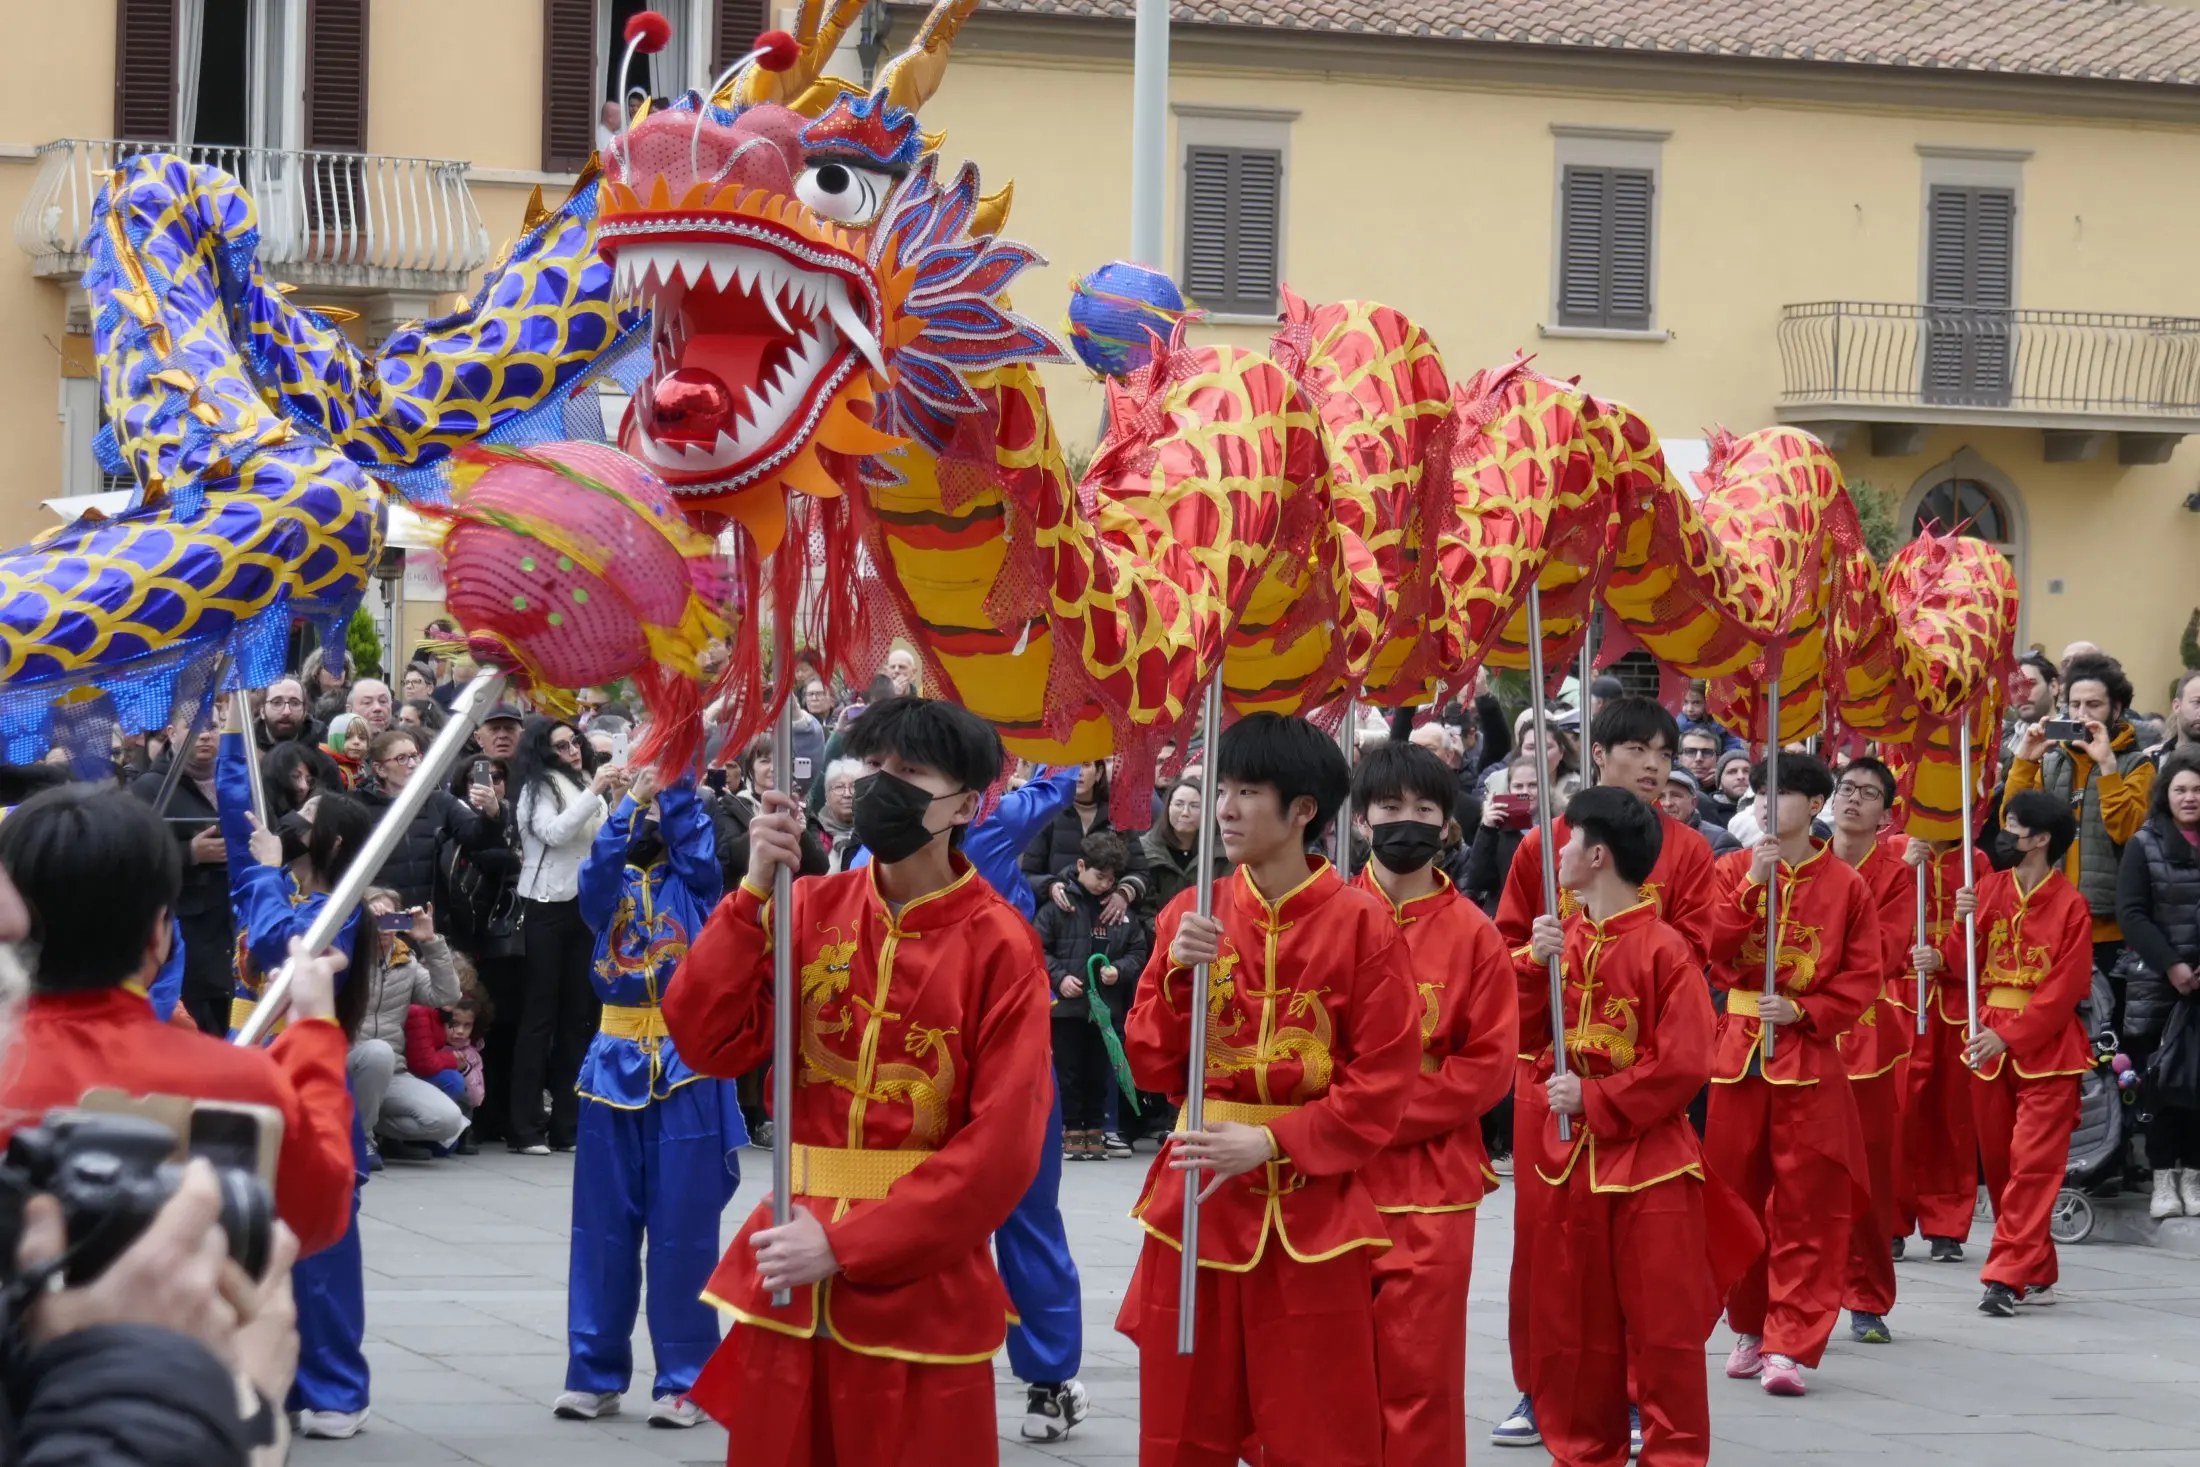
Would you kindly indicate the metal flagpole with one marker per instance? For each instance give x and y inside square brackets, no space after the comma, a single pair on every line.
[1149,131]
[1194,1116]
[1970,923]
[240,703]
[174,775]
[1347,740]
[475,699]
[1772,828]
[1923,935]
[783,996]
[1543,835]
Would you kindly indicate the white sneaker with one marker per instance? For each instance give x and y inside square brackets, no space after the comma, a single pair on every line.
[676,1412]
[2039,1296]
[1050,1411]
[2166,1202]
[2188,1190]
[585,1405]
[331,1426]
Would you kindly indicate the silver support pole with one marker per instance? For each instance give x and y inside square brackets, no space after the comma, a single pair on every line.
[474,700]
[1772,828]
[1586,673]
[1970,923]
[240,703]
[783,998]
[174,775]
[1149,132]
[1536,694]
[1923,936]
[1347,741]
[1194,1115]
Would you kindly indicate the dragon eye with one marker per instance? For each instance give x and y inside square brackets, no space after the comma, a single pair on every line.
[840,192]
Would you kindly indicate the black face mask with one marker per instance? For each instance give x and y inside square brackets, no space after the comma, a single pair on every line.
[2005,848]
[889,816]
[646,845]
[1405,846]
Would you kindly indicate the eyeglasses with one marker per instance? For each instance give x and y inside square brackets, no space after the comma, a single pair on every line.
[284,703]
[1848,791]
[406,759]
[564,746]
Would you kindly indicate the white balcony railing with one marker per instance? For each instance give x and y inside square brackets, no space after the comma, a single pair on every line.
[357,221]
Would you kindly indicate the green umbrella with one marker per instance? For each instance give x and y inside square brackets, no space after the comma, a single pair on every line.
[1105,1018]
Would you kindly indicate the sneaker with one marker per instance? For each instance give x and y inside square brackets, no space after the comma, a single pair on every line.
[1869,1329]
[1946,1250]
[2000,1301]
[1634,1431]
[584,1405]
[2188,1190]
[675,1413]
[1782,1377]
[1748,1359]
[539,1148]
[1503,1166]
[408,1151]
[467,1145]
[1518,1429]
[1900,1244]
[374,1164]
[1051,1410]
[2165,1202]
[1114,1145]
[331,1426]
[2039,1296]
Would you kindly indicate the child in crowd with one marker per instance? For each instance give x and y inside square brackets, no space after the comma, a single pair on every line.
[1087,954]
[464,1023]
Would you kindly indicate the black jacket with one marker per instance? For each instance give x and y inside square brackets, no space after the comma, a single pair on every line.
[411,869]
[126,1395]
[2158,907]
[1055,849]
[730,813]
[1073,938]
[1489,859]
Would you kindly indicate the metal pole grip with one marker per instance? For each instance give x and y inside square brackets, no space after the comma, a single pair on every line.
[1772,828]
[1194,1115]
[783,998]
[1544,837]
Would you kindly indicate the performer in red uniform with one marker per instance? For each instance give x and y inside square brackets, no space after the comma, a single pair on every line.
[918,1111]
[1876,1048]
[2035,956]
[1632,745]
[1625,1292]
[1937,1190]
[1312,1054]
[1783,1132]
[1433,1175]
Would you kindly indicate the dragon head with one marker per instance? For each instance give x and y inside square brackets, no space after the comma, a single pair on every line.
[817,294]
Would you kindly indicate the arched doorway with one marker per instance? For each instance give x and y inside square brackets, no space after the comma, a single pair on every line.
[1966,495]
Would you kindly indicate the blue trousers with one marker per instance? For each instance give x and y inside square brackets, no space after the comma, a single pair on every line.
[662,1173]
[1032,1251]
[331,1288]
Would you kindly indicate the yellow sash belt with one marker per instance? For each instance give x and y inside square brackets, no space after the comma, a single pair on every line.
[1242,1112]
[2019,999]
[639,1022]
[840,1172]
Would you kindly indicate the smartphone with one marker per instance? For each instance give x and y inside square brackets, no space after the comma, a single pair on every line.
[2066,730]
[394,922]
[1519,810]
[716,779]
[485,774]
[618,750]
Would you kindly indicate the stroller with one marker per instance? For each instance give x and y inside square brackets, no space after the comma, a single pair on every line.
[2097,1145]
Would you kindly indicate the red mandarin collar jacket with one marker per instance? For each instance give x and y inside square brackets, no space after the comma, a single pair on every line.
[1944,991]
[1639,1032]
[1469,1023]
[2038,945]
[924,1031]
[1829,963]
[1876,1043]
[1311,1008]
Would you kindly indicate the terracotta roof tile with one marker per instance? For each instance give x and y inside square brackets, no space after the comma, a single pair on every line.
[2111,40]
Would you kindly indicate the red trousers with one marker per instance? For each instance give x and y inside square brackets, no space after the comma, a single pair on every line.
[1937,1188]
[1421,1337]
[1871,1237]
[1519,1284]
[1792,1155]
[1285,1352]
[813,1403]
[2024,1131]
[1624,1298]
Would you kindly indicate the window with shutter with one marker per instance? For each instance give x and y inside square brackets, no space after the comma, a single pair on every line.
[145,70]
[568,84]
[740,22]
[1606,223]
[1970,285]
[1233,229]
[336,75]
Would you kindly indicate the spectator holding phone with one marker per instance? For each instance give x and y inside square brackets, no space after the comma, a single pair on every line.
[1506,817]
[202,903]
[405,1116]
[473,824]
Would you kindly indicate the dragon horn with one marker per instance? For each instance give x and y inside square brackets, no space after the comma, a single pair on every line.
[910,79]
[818,32]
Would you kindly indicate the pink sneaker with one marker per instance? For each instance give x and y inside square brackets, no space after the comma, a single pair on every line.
[1782,1377]
[1748,1358]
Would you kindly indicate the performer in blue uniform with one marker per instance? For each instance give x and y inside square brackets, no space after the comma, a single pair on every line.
[273,905]
[659,1144]
[1047,1346]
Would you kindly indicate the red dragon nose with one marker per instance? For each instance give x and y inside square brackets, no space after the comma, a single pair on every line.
[690,406]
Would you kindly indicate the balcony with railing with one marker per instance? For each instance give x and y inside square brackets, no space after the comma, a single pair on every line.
[328,221]
[2077,375]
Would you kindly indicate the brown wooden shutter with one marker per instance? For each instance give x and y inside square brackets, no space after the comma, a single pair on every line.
[740,22]
[336,75]
[569,103]
[1233,219]
[1604,248]
[145,70]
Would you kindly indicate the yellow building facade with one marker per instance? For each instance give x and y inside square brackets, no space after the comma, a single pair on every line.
[1786,270]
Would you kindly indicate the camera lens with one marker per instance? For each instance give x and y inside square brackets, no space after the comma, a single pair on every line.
[248,1217]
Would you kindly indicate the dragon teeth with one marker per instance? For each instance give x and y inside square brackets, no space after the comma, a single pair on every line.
[850,324]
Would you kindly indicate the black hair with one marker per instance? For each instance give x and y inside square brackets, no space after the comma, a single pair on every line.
[2042,664]
[1607,688]
[1104,850]
[278,764]
[2183,762]
[1297,759]
[1869,765]
[931,734]
[1100,778]
[1635,721]
[96,868]
[2106,671]
[1395,771]
[1613,818]
[432,715]
[1800,774]
[2041,813]
[536,765]
[341,825]
[1718,744]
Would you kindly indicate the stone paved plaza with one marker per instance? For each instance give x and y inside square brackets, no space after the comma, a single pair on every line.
[466,1268]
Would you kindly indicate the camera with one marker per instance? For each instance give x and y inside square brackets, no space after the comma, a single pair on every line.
[2066,730]
[111,1174]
